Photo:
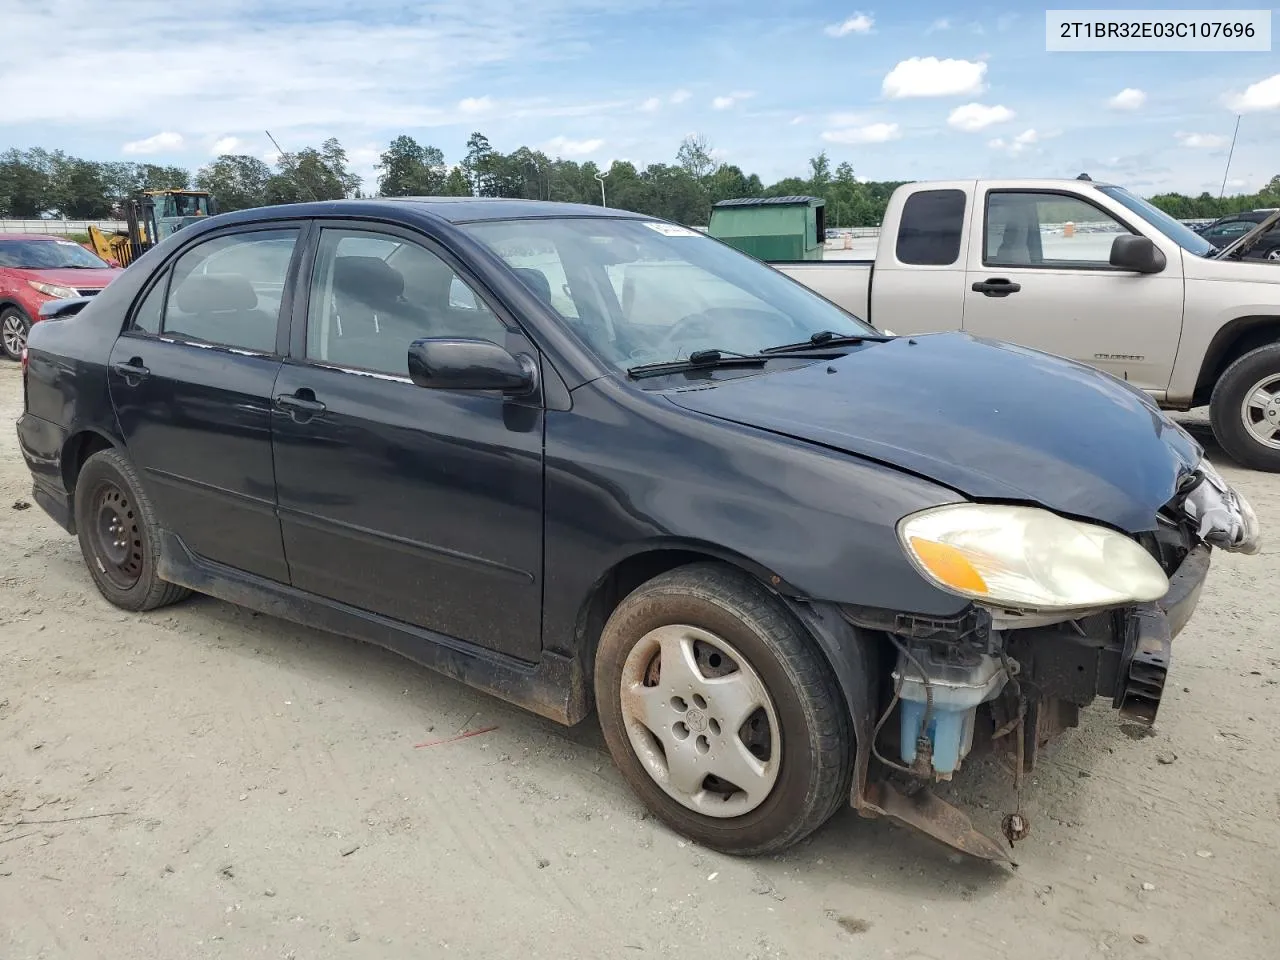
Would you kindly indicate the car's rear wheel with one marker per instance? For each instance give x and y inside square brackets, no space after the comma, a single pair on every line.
[720,711]
[14,327]
[1245,409]
[119,535]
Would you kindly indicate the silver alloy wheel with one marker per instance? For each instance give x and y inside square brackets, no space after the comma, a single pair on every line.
[1273,254]
[1260,411]
[701,721]
[14,334]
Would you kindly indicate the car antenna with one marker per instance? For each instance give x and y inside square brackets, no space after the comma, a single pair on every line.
[1085,176]
[281,152]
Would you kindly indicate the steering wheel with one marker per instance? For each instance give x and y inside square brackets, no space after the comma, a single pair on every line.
[681,330]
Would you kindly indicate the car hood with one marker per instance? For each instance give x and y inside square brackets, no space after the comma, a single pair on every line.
[79,279]
[988,419]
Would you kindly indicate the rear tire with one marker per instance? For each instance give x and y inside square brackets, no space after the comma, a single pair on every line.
[703,676]
[119,535]
[14,327]
[1244,406]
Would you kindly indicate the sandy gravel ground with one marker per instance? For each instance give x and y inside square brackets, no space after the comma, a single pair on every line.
[206,782]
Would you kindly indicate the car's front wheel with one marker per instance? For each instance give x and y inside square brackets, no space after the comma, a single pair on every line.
[14,327]
[119,535]
[1245,409]
[720,711]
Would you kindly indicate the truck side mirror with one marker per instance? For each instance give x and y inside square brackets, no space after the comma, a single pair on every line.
[1138,254]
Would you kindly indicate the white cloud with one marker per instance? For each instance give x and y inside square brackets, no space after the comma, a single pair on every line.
[226,145]
[1018,144]
[871,133]
[1263,95]
[1202,141]
[858,23]
[475,104]
[563,146]
[796,121]
[973,117]
[272,157]
[942,23]
[931,77]
[1130,98]
[652,105]
[157,144]
[725,102]
[846,119]
[680,96]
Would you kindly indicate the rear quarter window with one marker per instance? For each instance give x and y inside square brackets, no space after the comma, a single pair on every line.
[930,231]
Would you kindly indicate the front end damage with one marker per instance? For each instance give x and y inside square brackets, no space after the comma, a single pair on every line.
[1013,680]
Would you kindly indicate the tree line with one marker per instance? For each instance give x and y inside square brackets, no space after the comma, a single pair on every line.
[38,183]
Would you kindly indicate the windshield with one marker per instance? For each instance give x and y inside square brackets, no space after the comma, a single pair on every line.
[1179,233]
[47,255]
[640,291]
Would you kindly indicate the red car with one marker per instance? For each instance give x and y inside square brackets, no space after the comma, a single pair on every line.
[36,268]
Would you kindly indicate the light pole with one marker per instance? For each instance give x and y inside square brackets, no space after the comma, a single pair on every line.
[600,177]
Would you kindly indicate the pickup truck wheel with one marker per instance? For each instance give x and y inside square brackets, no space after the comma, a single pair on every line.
[721,713]
[119,536]
[1245,409]
[14,327]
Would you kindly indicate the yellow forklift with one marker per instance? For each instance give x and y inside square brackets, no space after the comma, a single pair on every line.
[150,217]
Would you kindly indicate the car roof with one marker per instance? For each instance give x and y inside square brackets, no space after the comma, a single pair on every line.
[450,209]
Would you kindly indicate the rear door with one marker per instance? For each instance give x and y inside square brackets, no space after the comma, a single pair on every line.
[191,380]
[420,505]
[1040,275]
[918,282]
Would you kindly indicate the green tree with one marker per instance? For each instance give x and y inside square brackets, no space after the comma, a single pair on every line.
[694,156]
[25,183]
[457,184]
[236,181]
[312,174]
[410,169]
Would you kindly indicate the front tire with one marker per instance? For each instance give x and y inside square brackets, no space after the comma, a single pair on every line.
[721,713]
[1245,409]
[119,534]
[14,327]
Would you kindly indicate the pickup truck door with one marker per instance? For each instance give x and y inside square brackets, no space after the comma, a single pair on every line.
[1039,275]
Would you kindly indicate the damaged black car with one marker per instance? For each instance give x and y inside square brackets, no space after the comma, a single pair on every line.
[588,460]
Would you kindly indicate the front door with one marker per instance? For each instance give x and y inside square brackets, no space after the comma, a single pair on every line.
[1039,275]
[191,380]
[421,505]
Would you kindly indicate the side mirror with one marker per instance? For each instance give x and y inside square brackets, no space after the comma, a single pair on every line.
[446,363]
[1138,254]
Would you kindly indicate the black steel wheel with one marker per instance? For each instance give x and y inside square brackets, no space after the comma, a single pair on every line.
[119,534]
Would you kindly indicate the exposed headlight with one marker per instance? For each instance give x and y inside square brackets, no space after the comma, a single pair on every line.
[54,290]
[1025,558]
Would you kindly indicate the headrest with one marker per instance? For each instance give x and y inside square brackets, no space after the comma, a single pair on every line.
[368,279]
[536,281]
[216,293]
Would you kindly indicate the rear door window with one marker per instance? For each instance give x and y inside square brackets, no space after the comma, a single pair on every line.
[931,228]
[228,290]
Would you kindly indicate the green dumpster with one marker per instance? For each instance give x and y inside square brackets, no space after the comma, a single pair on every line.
[772,229]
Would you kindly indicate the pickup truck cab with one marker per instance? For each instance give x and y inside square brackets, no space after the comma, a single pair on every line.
[1087,271]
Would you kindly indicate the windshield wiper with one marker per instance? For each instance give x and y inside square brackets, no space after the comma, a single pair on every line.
[708,360]
[826,338]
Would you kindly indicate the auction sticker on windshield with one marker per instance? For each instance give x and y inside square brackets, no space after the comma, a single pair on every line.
[670,229]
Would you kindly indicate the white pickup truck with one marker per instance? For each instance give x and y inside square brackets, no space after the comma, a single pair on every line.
[1087,271]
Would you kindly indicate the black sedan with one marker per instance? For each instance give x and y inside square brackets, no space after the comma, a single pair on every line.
[1226,230]
[582,458]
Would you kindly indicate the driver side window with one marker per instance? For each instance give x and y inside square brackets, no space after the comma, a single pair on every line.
[372,294]
[1047,230]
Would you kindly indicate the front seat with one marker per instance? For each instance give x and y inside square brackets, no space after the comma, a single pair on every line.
[222,308]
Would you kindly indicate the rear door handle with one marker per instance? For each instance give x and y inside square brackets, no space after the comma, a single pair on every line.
[996,287]
[133,372]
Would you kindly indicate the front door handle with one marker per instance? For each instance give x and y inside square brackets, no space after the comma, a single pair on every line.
[996,287]
[301,405]
[134,372]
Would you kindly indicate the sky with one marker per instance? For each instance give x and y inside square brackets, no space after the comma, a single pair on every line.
[931,89]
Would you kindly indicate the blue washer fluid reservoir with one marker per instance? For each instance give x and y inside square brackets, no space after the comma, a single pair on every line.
[961,679]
